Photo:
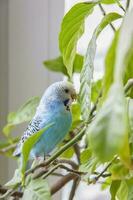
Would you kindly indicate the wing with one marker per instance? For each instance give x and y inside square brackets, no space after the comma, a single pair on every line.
[33,127]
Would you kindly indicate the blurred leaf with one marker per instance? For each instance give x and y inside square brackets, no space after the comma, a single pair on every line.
[85,155]
[27,146]
[37,189]
[130,189]
[106,184]
[122,193]
[122,55]
[130,118]
[130,114]
[7,129]
[72,29]
[7,147]
[109,65]
[68,153]
[15,180]
[114,188]
[75,115]
[4,144]
[90,165]
[110,123]
[108,130]
[128,70]
[130,93]
[57,64]
[118,171]
[78,63]
[96,87]
[24,113]
[88,66]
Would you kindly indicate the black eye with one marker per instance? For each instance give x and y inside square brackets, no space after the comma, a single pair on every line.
[66,90]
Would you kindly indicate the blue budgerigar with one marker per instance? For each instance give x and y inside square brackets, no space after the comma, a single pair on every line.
[54,107]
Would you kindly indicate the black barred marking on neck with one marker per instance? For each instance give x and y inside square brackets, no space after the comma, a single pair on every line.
[66,104]
[67,108]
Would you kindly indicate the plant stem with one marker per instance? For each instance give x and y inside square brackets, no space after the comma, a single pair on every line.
[14,194]
[103,171]
[59,163]
[74,187]
[95,104]
[127,4]
[78,173]
[69,162]
[76,147]
[120,6]
[50,171]
[104,14]
[57,174]
[61,182]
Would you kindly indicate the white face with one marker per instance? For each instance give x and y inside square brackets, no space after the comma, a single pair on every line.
[66,92]
[62,91]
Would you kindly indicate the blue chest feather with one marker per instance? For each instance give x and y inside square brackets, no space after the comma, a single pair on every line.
[62,120]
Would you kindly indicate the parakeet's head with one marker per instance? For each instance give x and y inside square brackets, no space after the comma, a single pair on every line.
[62,91]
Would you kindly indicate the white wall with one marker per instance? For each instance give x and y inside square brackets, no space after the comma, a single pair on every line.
[3,77]
[32,39]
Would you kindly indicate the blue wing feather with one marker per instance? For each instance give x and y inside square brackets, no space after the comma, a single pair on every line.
[55,134]
[62,121]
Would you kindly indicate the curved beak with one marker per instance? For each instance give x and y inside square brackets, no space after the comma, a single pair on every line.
[74,96]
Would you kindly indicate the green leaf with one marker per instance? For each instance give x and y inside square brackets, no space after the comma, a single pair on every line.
[108,131]
[15,180]
[27,146]
[130,115]
[122,54]
[57,64]
[85,155]
[125,191]
[4,144]
[7,146]
[110,65]
[130,189]
[76,113]
[24,113]
[122,193]
[68,153]
[78,63]
[128,69]
[88,66]
[37,189]
[96,88]
[130,118]
[90,165]
[114,188]
[72,29]
[106,183]
[118,171]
